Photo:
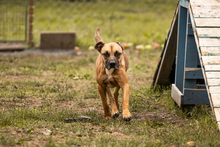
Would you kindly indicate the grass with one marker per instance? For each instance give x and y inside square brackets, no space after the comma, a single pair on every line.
[34,104]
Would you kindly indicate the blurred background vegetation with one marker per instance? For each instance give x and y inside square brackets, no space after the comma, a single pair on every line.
[137,22]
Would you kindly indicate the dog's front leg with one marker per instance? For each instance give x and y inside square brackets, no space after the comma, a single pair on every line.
[113,103]
[122,80]
[102,93]
[125,106]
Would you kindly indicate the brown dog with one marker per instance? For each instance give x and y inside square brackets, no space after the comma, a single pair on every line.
[111,66]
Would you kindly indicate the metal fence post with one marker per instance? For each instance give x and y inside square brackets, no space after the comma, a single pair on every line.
[31,15]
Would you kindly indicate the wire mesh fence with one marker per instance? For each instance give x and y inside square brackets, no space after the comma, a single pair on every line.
[13,20]
[136,22]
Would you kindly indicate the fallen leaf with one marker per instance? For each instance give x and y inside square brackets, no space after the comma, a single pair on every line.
[139,47]
[76,48]
[156,45]
[91,48]
[148,47]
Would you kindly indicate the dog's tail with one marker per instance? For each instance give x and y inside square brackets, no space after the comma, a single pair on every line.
[97,36]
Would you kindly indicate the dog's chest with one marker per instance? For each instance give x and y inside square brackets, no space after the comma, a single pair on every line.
[110,81]
[109,73]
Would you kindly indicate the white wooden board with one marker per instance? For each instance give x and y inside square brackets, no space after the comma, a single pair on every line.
[212,68]
[210,50]
[217,113]
[209,42]
[211,60]
[213,75]
[207,22]
[204,1]
[205,10]
[218,125]
[208,32]
[214,89]
[215,100]
[213,82]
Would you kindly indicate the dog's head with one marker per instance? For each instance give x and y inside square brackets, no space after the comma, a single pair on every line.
[111,52]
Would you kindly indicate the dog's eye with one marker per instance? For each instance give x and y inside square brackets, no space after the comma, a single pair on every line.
[117,54]
[106,54]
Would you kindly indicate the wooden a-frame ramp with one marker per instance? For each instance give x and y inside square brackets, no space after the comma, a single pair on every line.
[191,55]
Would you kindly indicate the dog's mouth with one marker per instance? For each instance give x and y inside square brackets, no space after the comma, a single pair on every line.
[112,64]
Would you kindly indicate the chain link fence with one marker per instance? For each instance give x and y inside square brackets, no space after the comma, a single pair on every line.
[13,20]
[136,22]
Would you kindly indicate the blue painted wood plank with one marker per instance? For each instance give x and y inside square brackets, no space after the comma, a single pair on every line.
[181,45]
[191,48]
[195,96]
[193,73]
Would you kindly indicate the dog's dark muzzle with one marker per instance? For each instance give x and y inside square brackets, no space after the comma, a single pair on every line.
[112,64]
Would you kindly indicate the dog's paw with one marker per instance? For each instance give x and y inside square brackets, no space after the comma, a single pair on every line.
[127,116]
[107,117]
[115,115]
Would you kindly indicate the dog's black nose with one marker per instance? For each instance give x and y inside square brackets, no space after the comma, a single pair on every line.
[112,64]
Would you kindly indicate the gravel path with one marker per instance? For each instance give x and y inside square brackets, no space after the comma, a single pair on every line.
[39,52]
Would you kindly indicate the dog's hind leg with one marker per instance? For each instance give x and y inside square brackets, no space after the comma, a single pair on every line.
[113,103]
[116,96]
[102,93]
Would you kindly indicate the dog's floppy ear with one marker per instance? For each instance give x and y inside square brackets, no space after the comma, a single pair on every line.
[120,45]
[99,46]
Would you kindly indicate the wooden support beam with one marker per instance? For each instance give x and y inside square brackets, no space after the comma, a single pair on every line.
[181,46]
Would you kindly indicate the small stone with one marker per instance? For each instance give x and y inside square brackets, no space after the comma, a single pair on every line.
[84,118]
[67,120]
[79,53]
[191,143]
[47,132]
[14,133]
